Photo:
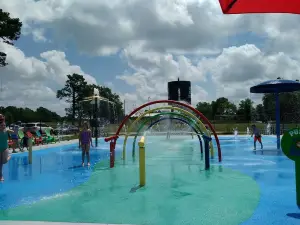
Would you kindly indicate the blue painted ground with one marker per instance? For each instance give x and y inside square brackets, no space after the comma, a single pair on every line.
[275,175]
[56,170]
[53,172]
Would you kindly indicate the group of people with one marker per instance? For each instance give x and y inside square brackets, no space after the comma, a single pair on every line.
[85,141]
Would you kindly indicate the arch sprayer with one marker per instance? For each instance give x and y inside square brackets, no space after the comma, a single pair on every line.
[184,112]
[192,123]
[114,138]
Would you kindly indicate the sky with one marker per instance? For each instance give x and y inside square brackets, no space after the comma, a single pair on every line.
[136,46]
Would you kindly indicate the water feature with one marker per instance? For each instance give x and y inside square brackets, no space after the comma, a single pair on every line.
[268,129]
[248,131]
[174,181]
[235,133]
[59,131]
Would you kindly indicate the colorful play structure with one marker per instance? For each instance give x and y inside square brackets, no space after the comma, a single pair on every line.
[176,111]
[290,145]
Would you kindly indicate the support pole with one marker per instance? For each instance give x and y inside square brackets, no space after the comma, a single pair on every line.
[201,146]
[277,119]
[96,120]
[206,151]
[142,162]
[112,146]
[297,170]
[30,150]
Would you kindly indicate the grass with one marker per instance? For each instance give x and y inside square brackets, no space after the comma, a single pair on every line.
[221,127]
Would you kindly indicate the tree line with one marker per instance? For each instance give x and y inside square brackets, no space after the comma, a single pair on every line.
[14,114]
[246,110]
[76,90]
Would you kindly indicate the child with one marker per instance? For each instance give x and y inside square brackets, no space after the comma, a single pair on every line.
[15,138]
[4,154]
[257,136]
[85,141]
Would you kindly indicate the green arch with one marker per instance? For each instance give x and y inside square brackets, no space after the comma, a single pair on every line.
[183,111]
[193,123]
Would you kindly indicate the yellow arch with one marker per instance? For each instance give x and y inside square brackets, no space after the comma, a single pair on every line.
[202,126]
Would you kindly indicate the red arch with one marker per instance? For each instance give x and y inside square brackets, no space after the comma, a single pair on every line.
[173,102]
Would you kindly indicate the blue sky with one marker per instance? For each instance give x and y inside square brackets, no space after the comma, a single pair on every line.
[136,47]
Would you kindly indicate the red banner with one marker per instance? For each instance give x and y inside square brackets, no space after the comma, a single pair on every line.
[260,6]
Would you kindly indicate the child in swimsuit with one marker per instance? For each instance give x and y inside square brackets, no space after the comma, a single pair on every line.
[4,154]
[85,141]
[15,138]
[257,136]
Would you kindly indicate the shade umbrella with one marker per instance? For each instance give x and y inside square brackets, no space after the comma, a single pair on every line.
[260,6]
[276,87]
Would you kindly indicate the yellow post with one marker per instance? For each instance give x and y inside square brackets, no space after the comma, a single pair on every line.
[30,150]
[142,160]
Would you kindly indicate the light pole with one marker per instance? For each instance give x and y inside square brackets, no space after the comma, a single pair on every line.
[149,105]
[95,101]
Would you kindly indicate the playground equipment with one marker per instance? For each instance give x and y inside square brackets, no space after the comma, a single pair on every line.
[201,125]
[142,157]
[186,120]
[142,162]
[95,100]
[114,138]
[205,138]
[290,145]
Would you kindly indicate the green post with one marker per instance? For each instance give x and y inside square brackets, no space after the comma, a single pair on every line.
[290,144]
[297,167]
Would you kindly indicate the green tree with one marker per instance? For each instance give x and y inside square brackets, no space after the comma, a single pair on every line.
[14,114]
[74,91]
[245,109]
[259,114]
[10,31]
[223,107]
[289,106]
[205,108]
[9,117]
[45,115]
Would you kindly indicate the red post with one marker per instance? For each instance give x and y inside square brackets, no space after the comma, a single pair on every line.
[112,146]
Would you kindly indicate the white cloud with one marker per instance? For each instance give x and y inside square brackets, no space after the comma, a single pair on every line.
[199,95]
[104,27]
[159,40]
[153,70]
[39,35]
[33,82]
[238,68]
